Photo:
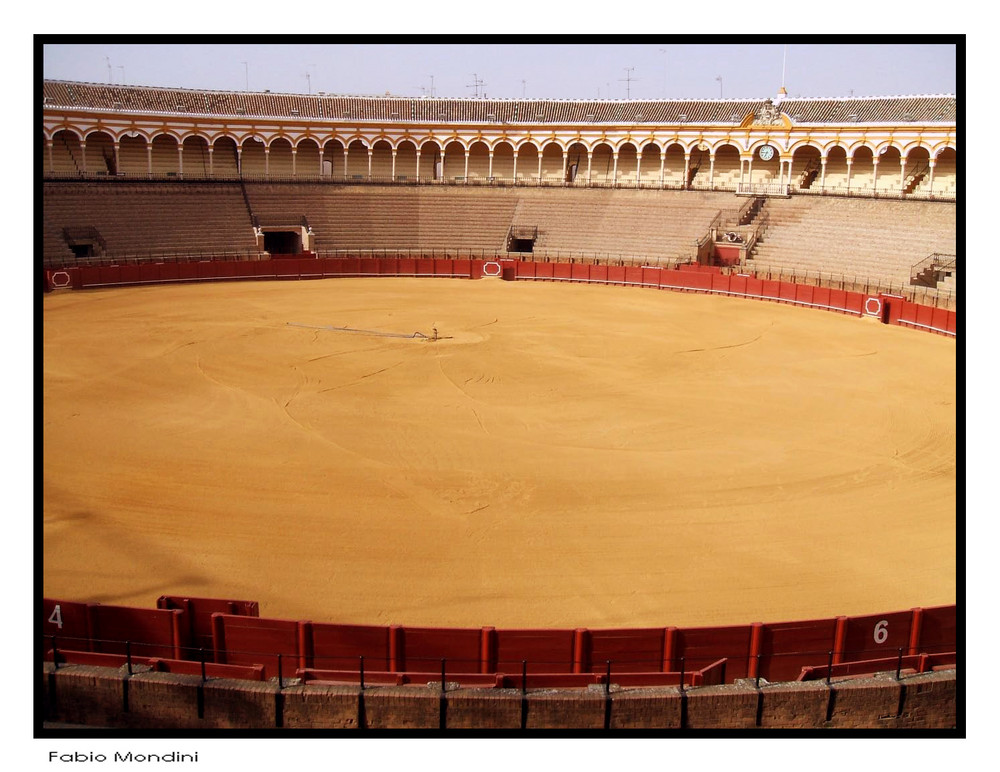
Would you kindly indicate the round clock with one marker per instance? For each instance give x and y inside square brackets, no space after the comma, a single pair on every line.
[766,153]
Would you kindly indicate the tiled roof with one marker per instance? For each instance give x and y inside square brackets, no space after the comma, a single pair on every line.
[143,99]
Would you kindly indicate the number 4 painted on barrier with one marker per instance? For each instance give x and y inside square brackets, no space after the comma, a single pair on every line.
[881,631]
[56,617]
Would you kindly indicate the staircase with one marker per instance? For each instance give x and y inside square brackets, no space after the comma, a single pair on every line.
[933,270]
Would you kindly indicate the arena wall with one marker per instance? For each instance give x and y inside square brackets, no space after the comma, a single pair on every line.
[104,697]
[884,307]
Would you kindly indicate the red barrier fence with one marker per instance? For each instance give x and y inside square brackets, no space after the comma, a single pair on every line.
[887,308]
[647,656]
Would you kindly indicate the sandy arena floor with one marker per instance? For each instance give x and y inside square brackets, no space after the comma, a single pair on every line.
[565,456]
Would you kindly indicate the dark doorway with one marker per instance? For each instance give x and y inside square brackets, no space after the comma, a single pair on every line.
[283,242]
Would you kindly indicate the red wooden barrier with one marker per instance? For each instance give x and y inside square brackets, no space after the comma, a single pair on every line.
[546,651]
[770,289]
[198,613]
[425,267]
[630,651]
[561,270]
[720,282]
[150,632]
[787,647]
[874,635]
[786,290]
[616,274]
[68,621]
[128,274]
[340,647]
[598,273]
[211,670]
[804,293]
[149,273]
[633,274]
[258,641]
[423,648]
[855,302]
[701,646]
[167,271]
[936,629]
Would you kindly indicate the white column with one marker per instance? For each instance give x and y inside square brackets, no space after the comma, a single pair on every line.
[687,168]
[614,172]
[663,161]
[321,162]
[874,174]
[48,148]
[180,159]
[149,159]
[930,188]
[822,174]
[490,171]
[117,167]
[638,167]
[465,174]
[418,164]
[590,159]
[850,163]
[211,157]
[394,164]
[540,153]
[267,162]
[711,170]
[294,153]
[369,162]
[565,162]
[902,174]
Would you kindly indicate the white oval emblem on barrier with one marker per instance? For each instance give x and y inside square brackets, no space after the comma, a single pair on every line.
[878,306]
[59,279]
[490,266]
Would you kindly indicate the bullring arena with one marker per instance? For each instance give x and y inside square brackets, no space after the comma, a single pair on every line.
[511,444]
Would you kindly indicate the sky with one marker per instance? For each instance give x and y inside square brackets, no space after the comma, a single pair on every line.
[565,67]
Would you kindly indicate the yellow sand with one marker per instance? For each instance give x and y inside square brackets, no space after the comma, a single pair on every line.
[564,456]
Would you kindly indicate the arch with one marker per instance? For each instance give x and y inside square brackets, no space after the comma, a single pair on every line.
[649,164]
[503,161]
[279,157]
[224,157]
[527,161]
[195,157]
[307,158]
[133,158]
[381,167]
[431,160]
[862,170]
[66,153]
[628,163]
[673,166]
[602,164]
[406,160]
[454,160]
[333,154]
[806,167]
[577,162]
[99,154]
[252,160]
[356,169]
[164,158]
[725,167]
[552,162]
[479,160]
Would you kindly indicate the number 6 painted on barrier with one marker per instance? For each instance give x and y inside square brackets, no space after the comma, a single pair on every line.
[881,631]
